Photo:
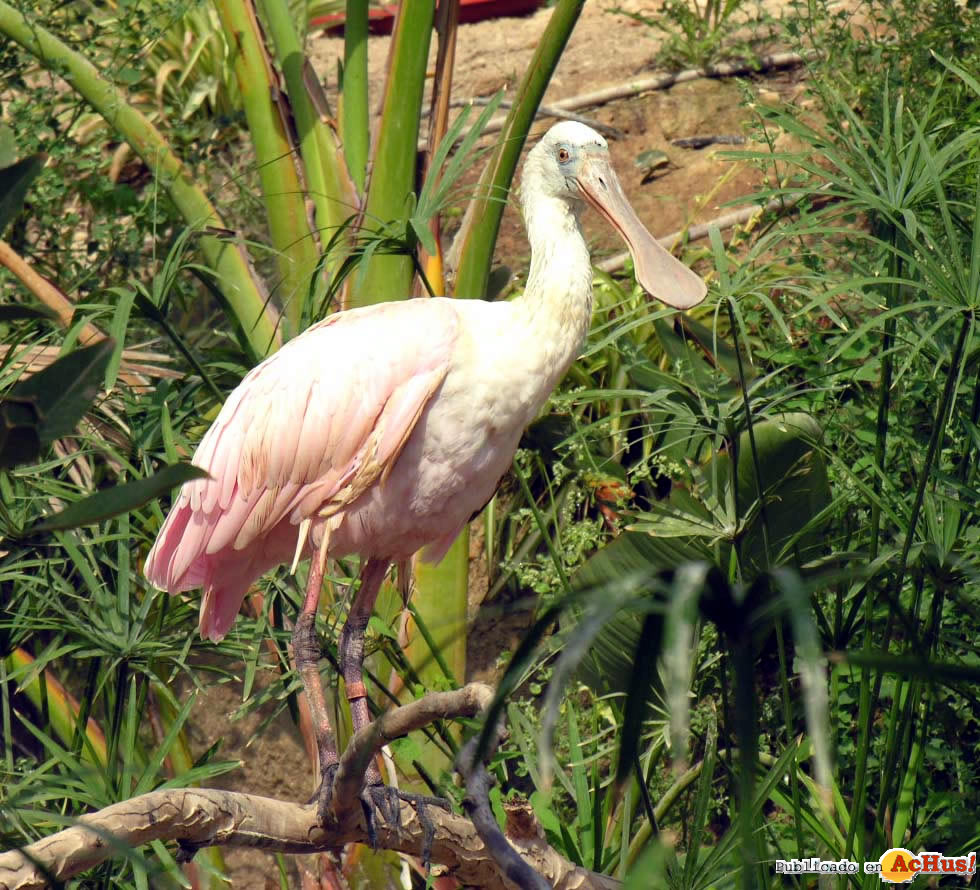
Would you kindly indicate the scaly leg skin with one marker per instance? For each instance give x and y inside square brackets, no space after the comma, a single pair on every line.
[376,795]
[306,652]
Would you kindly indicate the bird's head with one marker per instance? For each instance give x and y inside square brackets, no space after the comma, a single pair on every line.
[571,163]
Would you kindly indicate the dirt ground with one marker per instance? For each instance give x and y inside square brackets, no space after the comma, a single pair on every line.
[605,49]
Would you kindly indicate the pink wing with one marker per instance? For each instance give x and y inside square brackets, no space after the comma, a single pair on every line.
[305,432]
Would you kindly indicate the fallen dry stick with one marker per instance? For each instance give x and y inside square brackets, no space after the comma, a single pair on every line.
[772,62]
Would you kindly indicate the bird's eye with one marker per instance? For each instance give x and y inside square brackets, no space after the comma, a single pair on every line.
[563,155]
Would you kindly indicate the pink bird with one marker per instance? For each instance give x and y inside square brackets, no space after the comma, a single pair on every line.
[382,430]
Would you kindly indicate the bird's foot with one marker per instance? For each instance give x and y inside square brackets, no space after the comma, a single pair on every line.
[324,794]
[377,798]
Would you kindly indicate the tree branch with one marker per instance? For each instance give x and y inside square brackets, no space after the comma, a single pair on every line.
[468,701]
[203,817]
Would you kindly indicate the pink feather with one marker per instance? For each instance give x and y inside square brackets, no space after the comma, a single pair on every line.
[334,406]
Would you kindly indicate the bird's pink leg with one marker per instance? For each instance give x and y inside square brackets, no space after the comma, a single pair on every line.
[376,795]
[306,651]
[351,649]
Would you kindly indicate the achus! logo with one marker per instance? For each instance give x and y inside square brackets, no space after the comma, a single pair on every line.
[899,866]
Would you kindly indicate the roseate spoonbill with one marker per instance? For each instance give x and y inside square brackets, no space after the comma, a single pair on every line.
[382,430]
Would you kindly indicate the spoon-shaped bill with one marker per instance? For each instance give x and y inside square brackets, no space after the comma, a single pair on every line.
[659,273]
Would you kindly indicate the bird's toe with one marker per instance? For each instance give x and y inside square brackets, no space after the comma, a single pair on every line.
[386,800]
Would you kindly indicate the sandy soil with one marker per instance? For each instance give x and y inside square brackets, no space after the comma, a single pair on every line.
[605,49]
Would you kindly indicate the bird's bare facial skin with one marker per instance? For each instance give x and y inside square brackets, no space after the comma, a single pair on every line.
[659,273]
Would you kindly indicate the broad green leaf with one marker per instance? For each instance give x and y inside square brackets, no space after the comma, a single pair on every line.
[62,392]
[14,182]
[608,666]
[19,439]
[794,487]
[651,869]
[119,498]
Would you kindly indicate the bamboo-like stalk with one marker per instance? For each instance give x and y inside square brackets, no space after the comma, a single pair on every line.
[295,249]
[328,184]
[447,23]
[233,275]
[442,589]
[392,178]
[63,710]
[52,297]
[476,252]
[354,117]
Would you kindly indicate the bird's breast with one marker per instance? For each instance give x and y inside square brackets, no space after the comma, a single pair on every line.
[462,445]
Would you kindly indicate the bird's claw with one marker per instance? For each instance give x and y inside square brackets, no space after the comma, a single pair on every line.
[386,800]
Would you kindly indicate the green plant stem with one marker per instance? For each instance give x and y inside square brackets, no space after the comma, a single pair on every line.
[760,494]
[746,728]
[476,253]
[328,184]
[904,803]
[242,291]
[672,795]
[938,433]
[968,467]
[295,249]
[354,96]
[115,721]
[392,182]
[881,441]
[788,723]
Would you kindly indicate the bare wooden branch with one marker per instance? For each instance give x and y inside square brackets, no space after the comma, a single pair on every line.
[203,817]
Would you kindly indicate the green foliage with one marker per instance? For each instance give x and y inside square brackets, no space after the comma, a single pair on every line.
[749,536]
[119,499]
[14,182]
[859,314]
[696,33]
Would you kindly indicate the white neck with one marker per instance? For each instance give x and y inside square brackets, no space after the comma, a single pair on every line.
[557,302]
